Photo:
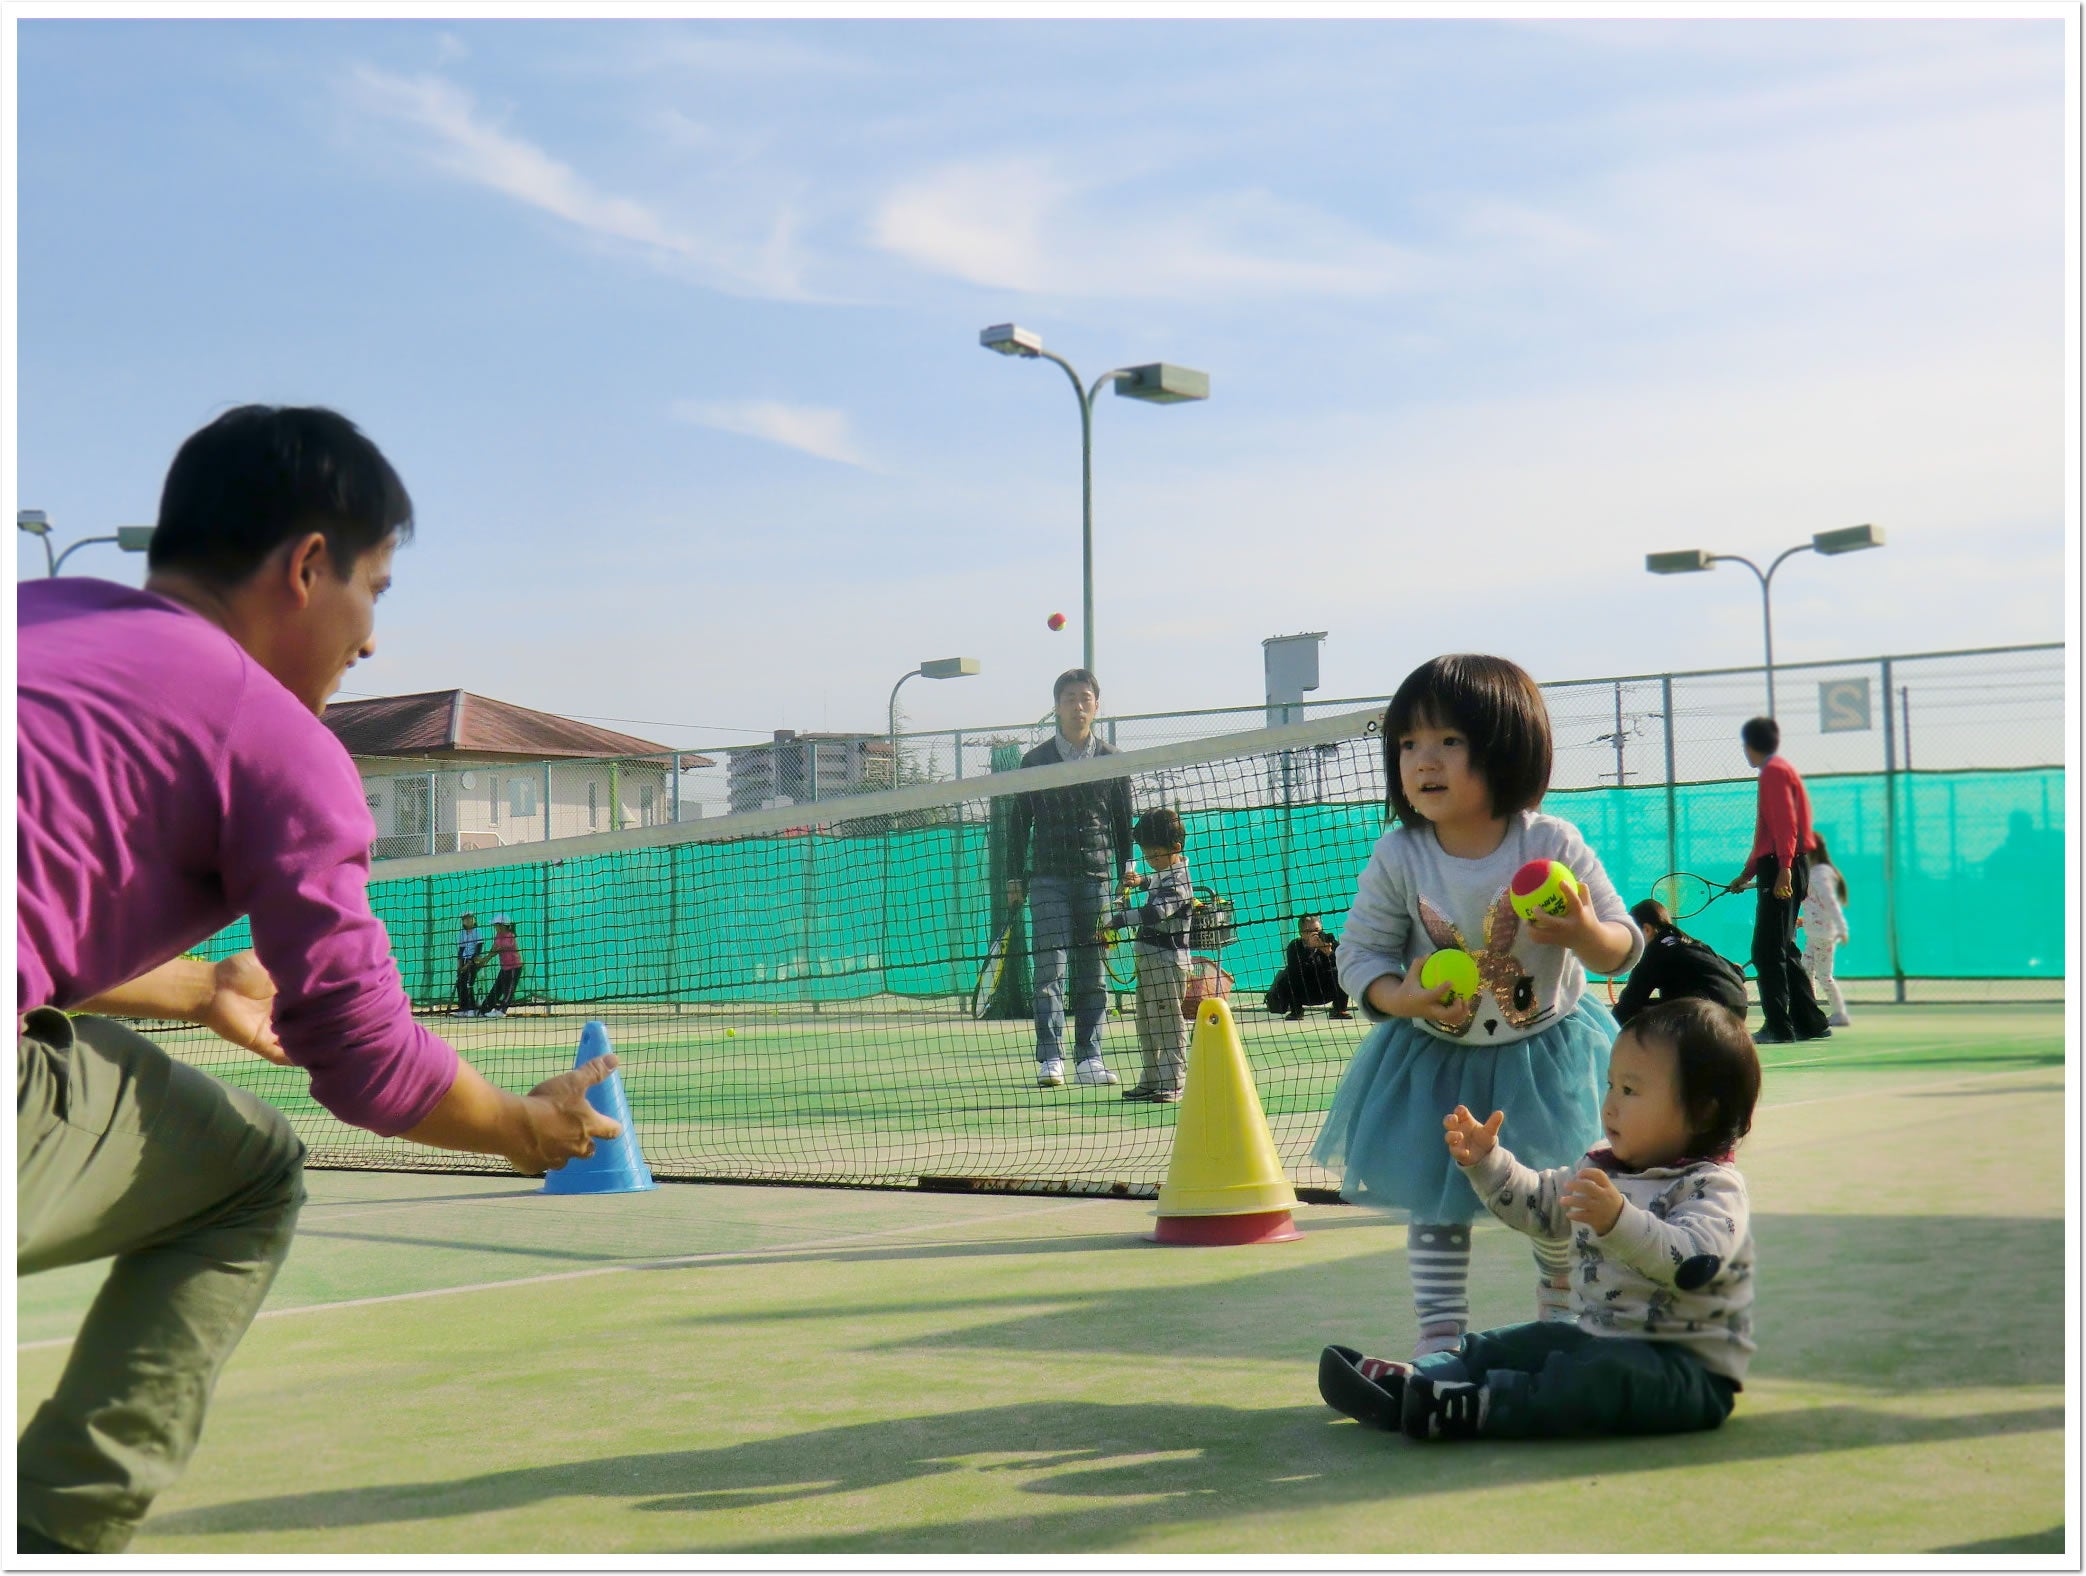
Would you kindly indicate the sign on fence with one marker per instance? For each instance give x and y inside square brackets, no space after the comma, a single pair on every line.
[1843,706]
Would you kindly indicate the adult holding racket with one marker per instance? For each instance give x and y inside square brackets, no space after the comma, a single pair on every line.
[1780,863]
[1081,850]
[174,775]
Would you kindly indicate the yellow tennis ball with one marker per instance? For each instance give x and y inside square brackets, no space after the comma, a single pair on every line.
[1540,884]
[731,1034]
[1452,967]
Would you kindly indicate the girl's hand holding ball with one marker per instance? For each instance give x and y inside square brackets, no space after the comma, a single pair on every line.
[1411,999]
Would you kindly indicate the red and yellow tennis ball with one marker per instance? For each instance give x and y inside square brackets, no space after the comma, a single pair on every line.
[1453,967]
[1056,621]
[1540,884]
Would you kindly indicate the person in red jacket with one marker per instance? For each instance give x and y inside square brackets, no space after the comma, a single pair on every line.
[1780,862]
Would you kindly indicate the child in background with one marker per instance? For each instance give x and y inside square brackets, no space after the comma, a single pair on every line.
[1162,953]
[508,951]
[1659,1218]
[1467,758]
[1675,965]
[1824,918]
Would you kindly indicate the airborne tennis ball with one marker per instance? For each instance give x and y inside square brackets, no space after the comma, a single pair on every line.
[1540,884]
[1452,967]
[731,1034]
[1056,621]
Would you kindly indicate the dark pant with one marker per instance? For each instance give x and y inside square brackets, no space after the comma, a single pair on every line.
[192,1187]
[1786,1001]
[1556,1381]
[1314,989]
[467,986]
[501,996]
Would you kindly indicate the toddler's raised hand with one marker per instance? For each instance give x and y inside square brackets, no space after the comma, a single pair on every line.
[1468,1139]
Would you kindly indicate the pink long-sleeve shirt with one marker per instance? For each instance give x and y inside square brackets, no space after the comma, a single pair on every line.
[169,784]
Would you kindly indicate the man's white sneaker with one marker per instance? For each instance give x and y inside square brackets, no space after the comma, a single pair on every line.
[1050,1075]
[1094,1071]
[497,1012]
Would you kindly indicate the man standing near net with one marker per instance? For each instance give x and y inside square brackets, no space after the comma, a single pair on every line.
[174,775]
[1780,861]
[1082,850]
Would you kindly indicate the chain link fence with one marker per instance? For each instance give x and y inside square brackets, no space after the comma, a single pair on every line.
[1996,709]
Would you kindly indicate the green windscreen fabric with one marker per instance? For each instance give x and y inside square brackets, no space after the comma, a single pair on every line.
[1975,890]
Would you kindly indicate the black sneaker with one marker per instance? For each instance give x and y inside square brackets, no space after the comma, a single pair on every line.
[1441,1408]
[1295,1015]
[1337,1015]
[1368,1389]
[1805,1039]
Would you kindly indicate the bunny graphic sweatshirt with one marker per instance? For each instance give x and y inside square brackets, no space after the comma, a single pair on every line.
[1414,899]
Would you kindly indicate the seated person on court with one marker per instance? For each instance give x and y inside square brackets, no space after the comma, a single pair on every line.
[1663,1294]
[1310,977]
[1676,965]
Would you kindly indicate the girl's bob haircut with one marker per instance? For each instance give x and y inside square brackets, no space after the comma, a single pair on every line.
[1498,710]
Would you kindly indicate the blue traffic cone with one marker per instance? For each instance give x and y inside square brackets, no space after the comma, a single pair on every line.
[616,1165]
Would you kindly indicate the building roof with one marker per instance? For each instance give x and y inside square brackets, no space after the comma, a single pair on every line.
[457,725]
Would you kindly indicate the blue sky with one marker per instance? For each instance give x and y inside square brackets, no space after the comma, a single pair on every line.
[671,327]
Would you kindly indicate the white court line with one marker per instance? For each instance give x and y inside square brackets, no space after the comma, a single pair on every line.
[619,1269]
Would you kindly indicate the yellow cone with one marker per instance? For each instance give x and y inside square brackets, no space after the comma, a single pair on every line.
[1224,1160]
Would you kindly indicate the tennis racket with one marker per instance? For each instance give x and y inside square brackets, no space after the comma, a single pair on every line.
[1686,894]
[995,966]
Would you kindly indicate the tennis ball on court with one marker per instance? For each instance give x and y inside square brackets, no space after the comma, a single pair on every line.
[1540,884]
[1056,621]
[1452,967]
[731,1034]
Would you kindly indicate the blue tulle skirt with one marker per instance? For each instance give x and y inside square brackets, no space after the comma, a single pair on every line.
[1384,1130]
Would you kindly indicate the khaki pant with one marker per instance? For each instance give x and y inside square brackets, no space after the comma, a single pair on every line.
[192,1187]
[1162,1033]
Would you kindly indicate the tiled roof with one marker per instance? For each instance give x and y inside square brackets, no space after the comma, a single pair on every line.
[455,724]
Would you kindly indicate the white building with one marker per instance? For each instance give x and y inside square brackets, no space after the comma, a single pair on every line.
[449,770]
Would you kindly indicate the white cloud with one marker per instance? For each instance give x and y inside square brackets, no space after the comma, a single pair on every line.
[1020,223]
[460,141]
[812,429]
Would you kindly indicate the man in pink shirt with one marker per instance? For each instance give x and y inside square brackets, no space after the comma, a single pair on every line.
[173,776]
[1780,861]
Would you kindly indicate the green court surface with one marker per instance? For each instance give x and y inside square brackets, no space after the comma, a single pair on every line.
[458,1364]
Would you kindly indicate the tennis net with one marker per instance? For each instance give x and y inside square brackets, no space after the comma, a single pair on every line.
[811,993]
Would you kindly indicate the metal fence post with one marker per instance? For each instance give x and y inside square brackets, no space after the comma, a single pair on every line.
[1672,777]
[547,833]
[1890,836]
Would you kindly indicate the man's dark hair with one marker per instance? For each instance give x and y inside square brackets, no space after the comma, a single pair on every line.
[262,475]
[1719,1069]
[1302,917]
[1073,676]
[1499,711]
[1763,734]
[1160,828]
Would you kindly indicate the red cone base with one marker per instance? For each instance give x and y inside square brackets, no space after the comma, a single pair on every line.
[1225,1231]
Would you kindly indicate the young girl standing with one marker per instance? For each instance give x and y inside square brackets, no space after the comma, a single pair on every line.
[1467,760]
[1824,917]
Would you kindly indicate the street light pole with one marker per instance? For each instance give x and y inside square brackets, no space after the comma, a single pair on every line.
[1827,543]
[1158,383]
[129,538]
[940,668]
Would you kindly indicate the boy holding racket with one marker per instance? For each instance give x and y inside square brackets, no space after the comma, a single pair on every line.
[1163,964]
